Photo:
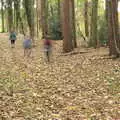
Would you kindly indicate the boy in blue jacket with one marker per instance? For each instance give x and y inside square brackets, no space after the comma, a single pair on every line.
[27,45]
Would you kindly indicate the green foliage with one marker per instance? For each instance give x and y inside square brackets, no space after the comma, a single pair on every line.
[55,30]
[102,30]
[54,21]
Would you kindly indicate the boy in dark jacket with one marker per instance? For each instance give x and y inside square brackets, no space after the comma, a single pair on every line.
[12,38]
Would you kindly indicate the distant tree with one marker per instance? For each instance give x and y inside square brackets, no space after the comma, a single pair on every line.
[37,16]
[29,7]
[93,26]
[86,18]
[19,25]
[44,17]
[10,14]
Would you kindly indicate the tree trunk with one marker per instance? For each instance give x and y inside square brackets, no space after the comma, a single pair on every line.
[10,15]
[60,17]
[2,15]
[29,7]
[73,23]
[17,16]
[86,18]
[67,30]
[113,28]
[37,17]
[106,17]
[93,35]
[43,19]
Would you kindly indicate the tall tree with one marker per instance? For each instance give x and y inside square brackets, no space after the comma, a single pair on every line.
[43,18]
[113,28]
[93,27]
[73,23]
[18,19]
[67,30]
[29,7]
[86,18]
[2,15]
[10,14]
[37,15]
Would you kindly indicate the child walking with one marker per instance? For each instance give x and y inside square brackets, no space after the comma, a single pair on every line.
[12,38]
[47,47]
[27,45]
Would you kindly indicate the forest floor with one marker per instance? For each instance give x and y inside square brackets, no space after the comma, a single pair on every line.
[83,85]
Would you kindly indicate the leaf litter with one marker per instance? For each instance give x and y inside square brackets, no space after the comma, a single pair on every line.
[72,86]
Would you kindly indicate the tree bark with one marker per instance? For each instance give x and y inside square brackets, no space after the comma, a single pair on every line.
[67,31]
[10,15]
[73,23]
[113,28]
[43,19]
[86,18]
[2,15]
[93,28]
[29,7]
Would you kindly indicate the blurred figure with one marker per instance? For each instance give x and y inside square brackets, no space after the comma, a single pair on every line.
[47,47]
[27,45]
[12,38]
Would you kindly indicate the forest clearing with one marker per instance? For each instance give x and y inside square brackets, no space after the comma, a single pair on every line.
[80,86]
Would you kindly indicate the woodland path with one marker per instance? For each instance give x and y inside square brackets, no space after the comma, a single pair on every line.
[77,86]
